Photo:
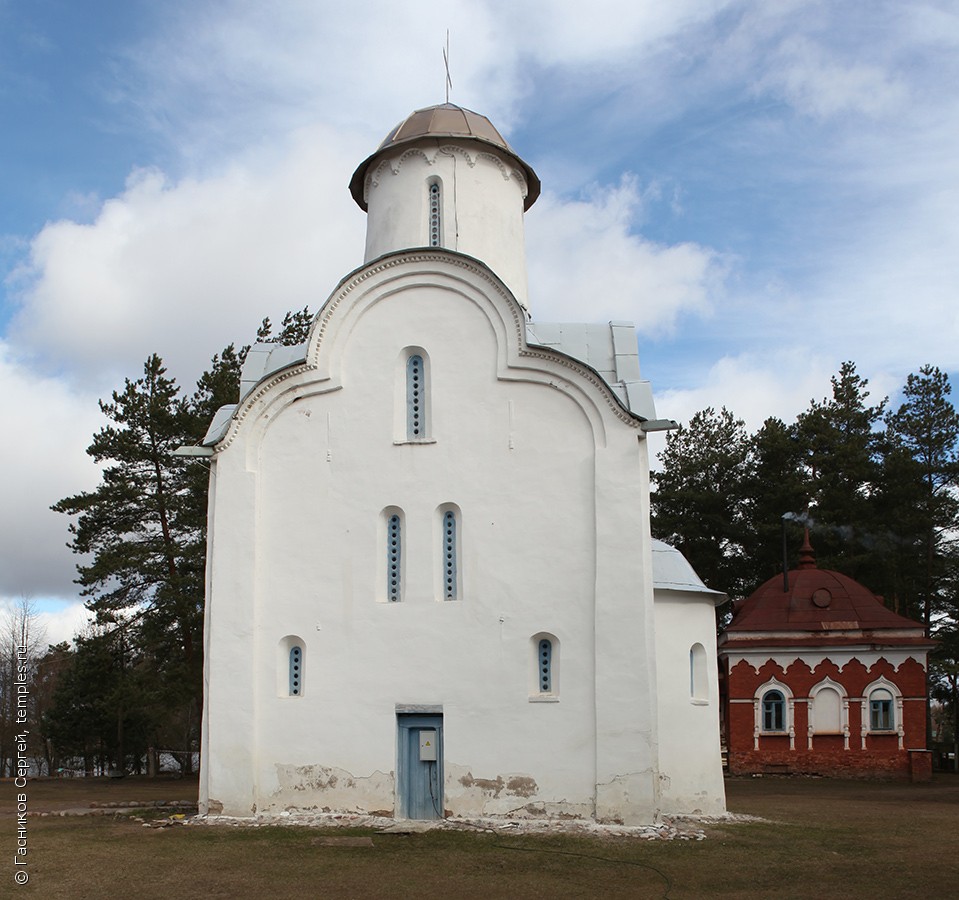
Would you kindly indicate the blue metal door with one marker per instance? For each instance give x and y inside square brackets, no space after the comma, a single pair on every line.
[419,780]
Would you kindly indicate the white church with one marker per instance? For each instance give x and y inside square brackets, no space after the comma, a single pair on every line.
[431,585]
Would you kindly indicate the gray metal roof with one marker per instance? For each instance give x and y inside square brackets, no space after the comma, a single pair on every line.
[265,359]
[672,572]
[218,426]
[610,349]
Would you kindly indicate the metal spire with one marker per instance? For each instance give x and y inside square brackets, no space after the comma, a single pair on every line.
[446,63]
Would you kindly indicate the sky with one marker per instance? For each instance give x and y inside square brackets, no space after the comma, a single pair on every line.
[765,187]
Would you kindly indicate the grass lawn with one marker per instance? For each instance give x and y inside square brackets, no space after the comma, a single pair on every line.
[823,838]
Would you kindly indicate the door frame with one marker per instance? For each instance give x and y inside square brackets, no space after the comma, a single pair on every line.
[408,722]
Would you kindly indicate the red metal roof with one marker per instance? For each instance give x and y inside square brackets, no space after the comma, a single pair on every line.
[826,639]
[817,602]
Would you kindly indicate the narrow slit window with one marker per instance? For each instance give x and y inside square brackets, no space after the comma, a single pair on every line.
[545,665]
[434,215]
[394,549]
[449,555]
[296,671]
[415,399]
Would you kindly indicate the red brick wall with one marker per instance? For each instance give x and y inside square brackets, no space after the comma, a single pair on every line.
[881,756]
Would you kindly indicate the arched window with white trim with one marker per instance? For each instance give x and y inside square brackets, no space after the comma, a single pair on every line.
[828,711]
[773,712]
[882,710]
[827,708]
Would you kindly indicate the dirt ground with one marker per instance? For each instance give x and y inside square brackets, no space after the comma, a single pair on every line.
[817,838]
[53,794]
[765,796]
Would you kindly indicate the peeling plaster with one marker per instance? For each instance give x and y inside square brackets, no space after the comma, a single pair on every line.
[625,799]
[517,785]
[327,788]
[504,796]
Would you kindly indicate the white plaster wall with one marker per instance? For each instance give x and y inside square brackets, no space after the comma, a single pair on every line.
[691,773]
[228,723]
[482,192]
[553,488]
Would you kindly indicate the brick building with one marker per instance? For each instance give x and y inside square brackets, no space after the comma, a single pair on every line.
[819,677]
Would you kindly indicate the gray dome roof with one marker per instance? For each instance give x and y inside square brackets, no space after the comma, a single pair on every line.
[672,572]
[444,121]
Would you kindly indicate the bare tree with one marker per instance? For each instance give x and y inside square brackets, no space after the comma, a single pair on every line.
[21,640]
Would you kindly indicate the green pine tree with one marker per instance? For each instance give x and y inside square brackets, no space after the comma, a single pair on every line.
[699,502]
[840,446]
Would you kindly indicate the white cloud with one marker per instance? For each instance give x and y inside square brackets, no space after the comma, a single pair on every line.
[822,85]
[855,177]
[181,269]
[64,622]
[364,66]
[286,64]
[48,426]
[755,386]
[572,33]
[586,263]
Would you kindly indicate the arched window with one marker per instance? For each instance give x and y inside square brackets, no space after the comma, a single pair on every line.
[435,215]
[450,588]
[545,666]
[773,711]
[698,678]
[827,711]
[290,666]
[882,715]
[412,417]
[415,398]
[296,670]
[394,557]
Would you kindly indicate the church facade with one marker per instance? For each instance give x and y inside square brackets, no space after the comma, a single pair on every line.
[431,585]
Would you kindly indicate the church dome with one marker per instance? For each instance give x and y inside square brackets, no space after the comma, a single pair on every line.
[450,122]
